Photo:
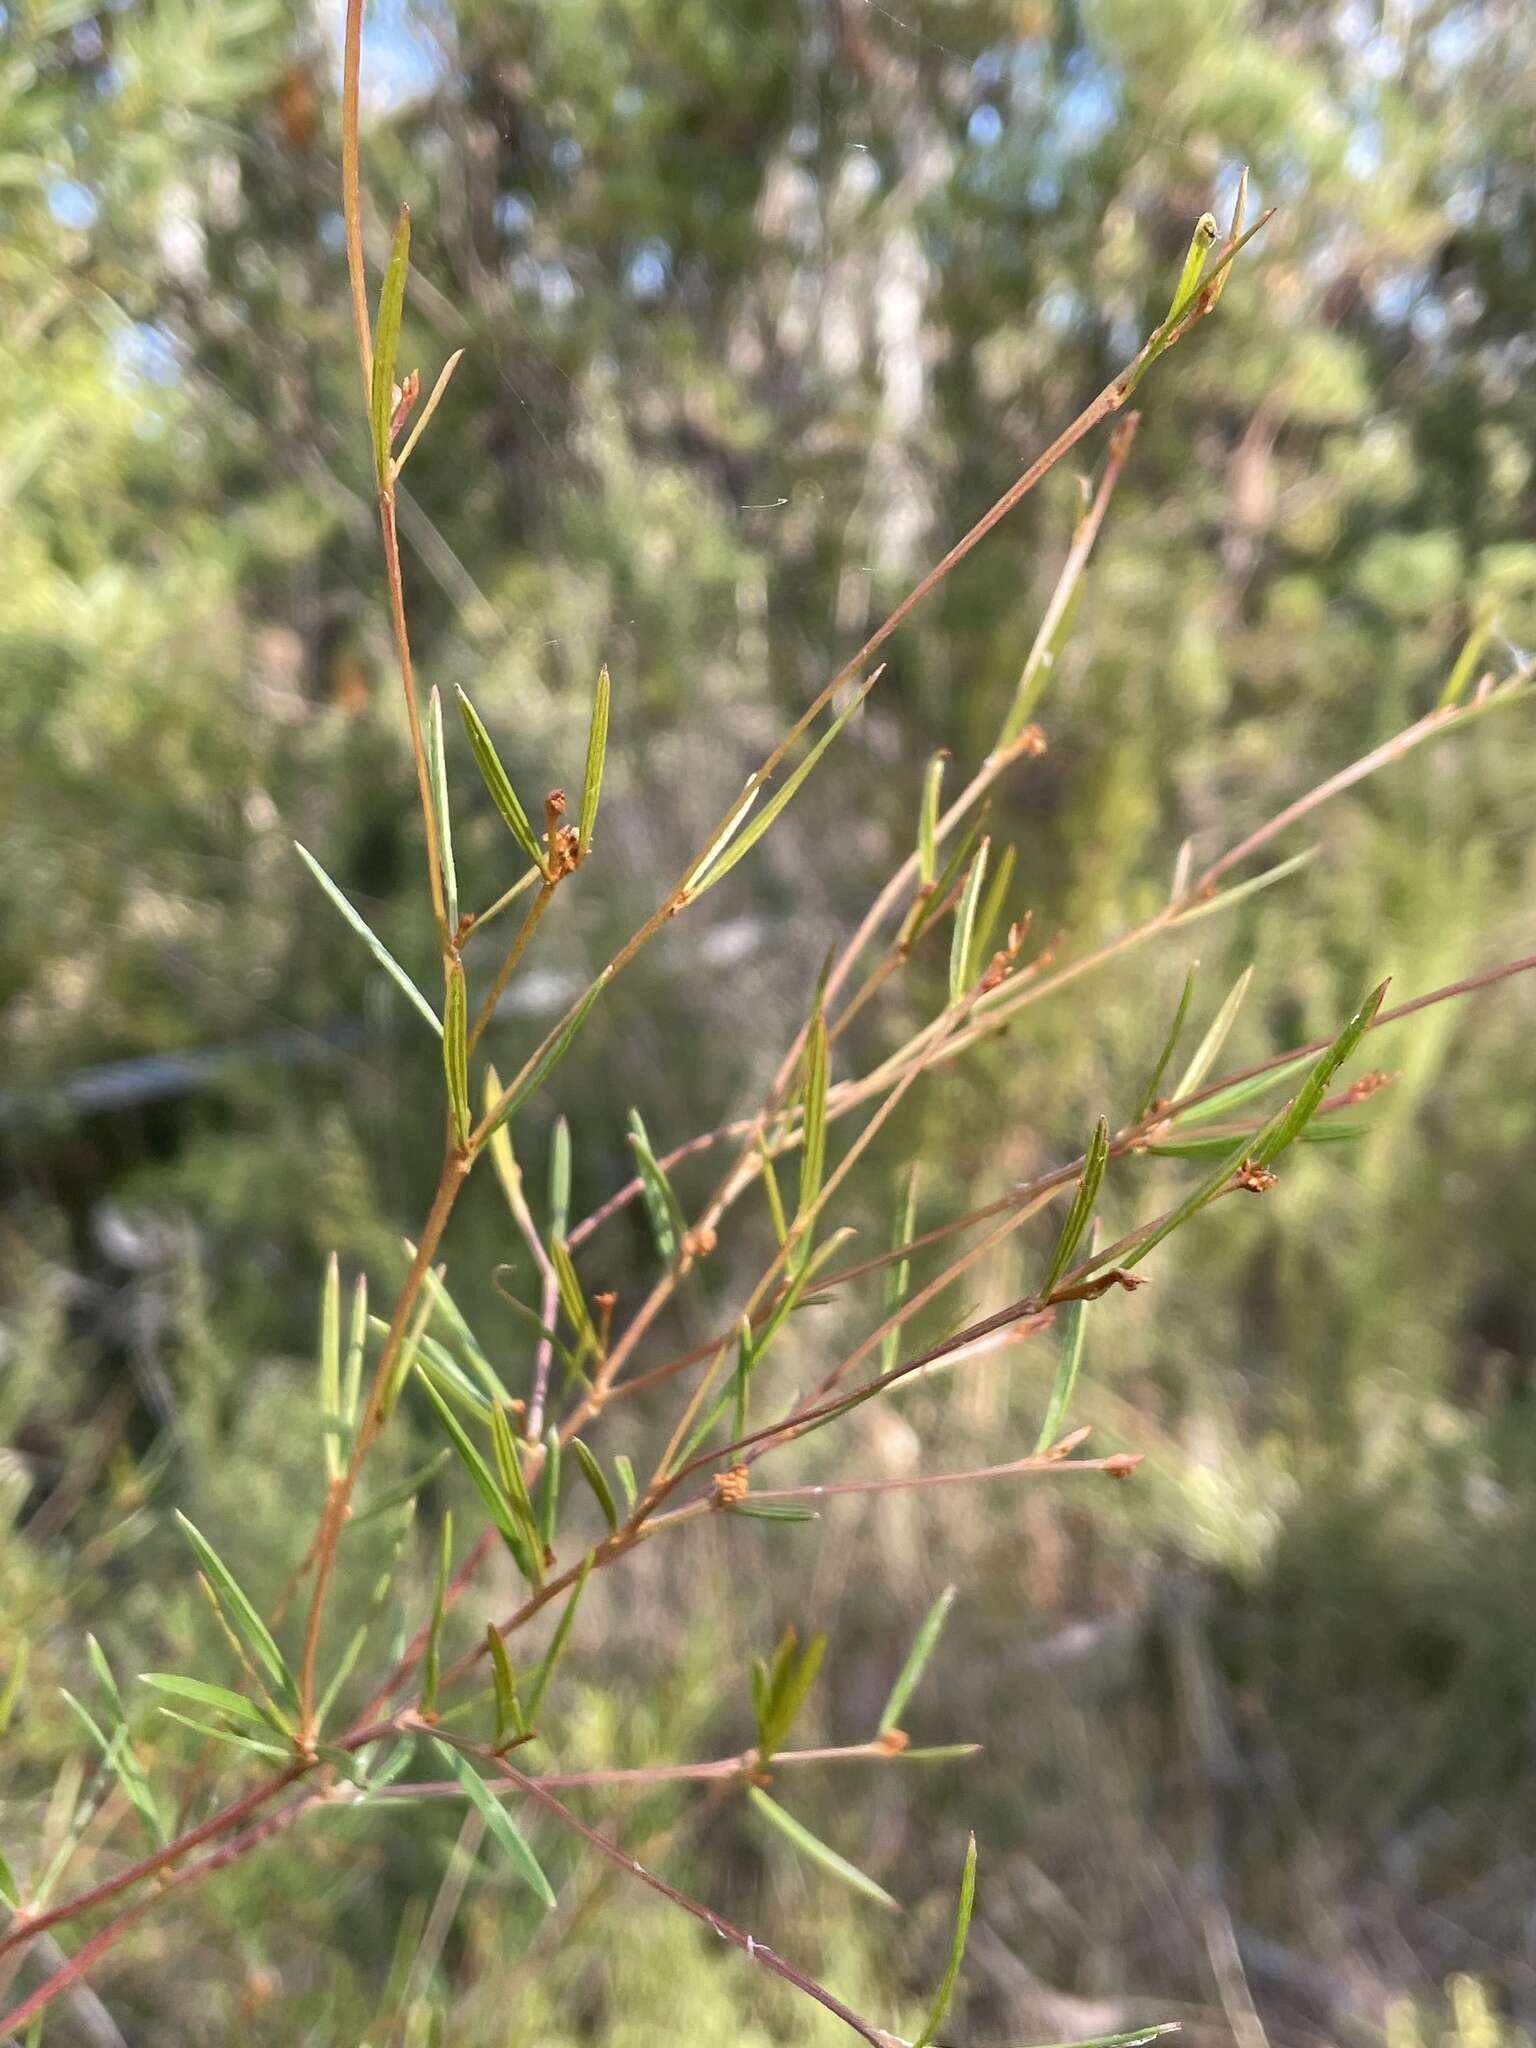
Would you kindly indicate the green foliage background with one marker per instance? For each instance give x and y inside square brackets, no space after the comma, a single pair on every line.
[761,307]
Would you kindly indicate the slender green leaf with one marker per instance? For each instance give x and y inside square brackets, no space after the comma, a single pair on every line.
[1225,1100]
[376,946]
[455,1054]
[597,1480]
[432,1660]
[330,1367]
[940,2007]
[668,1224]
[1295,1119]
[560,1178]
[928,818]
[1040,667]
[1136,2038]
[497,781]
[407,1490]
[208,1731]
[548,1057]
[510,1718]
[813,1149]
[791,1679]
[1200,244]
[509,1465]
[1239,214]
[1082,1209]
[386,344]
[899,1274]
[10,1891]
[719,862]
[500,1823]
[572,1300]
[1215,1038]
[1073,1324]
[816,1851]
[1224,899]
[234,1704]
[988,916]
[741,1380]
[626,1471]
[549,1489]
[772,1511]
[443,818]
[468,1344]
[965,925]
[597,753]
[923,1646]
[357,1334]
[515,1537]
[247,1622]
[1149,1093]
[557,1641]
[10,1692]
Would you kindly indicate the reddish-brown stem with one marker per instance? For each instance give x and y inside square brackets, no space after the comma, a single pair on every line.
[754,1950]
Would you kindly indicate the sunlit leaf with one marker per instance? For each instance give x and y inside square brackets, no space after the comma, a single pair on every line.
[503,1829]
[375,945]
[1078,1215]
[946,1989]
[597,753]
[386,344]
[497,781]
[816,1851]
[923,1645]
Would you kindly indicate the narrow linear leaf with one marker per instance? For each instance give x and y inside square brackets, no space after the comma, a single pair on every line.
[432,1660]
[375,945]
[560,1178]
[1224,899]
[10,1891]
[509,1466]
[1073,1325]
[572,1300]
[1170,1043]
[407,1490]
[1200,245]
[597,754]
[248,1623]
[386,343]
[495,1502]
[1136,2038]
[497,781]
[499,1822]
[330,1366]
[510,1719]
[772,1511]
[1239,215]
[549,1489]
[455,1053]
[792,1678]
[989,915]
[557,1642]
[597,1480]
[357,1337]
[624,1466]
[927,905]
[468,1344]
[816,1851]
[234,1704]
[548,1057]
[722,859]
[668,1225]
[741,1380]
[965,925]
[1040,667]
[1082,1208]
[444,377]
[899,1275]
[438,769]
[1294,1120]
[813,1152]
[928,818]
[1332,1131]
[1226,1100]
[1215,1038]
[207,1731]
[963,1912]
[923,1645]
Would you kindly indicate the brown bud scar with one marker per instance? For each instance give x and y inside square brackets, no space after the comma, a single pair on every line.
[1255,1179]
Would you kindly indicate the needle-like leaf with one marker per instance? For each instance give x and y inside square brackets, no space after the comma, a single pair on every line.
[499,783]
[597,753]
[816,1851]
[386,344]
[946,1990]
[923,1646]
[375,945]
